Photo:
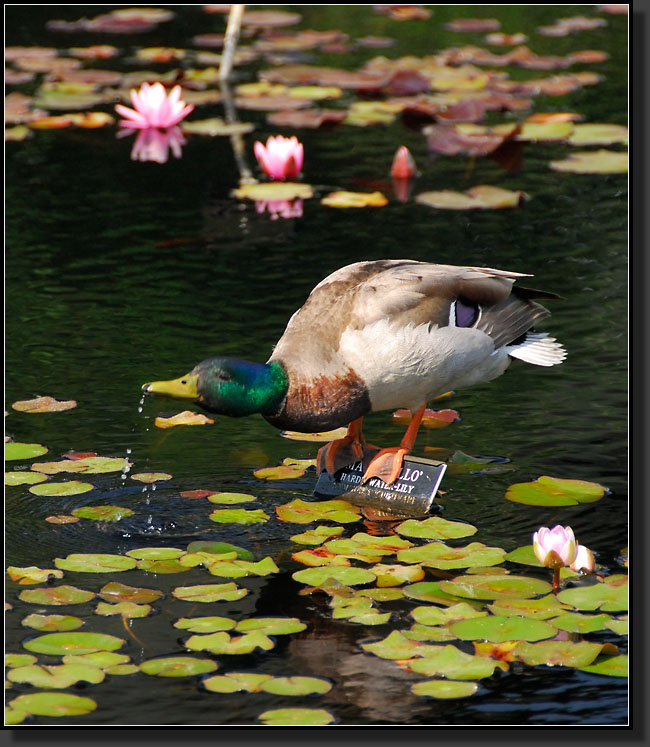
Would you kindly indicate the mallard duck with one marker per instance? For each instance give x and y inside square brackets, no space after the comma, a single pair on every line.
[378,335]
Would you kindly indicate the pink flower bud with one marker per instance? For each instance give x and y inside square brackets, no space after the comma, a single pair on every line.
[281,157]
[555,547]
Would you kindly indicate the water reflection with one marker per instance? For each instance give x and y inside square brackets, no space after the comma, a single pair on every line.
[280,208]
[152,144]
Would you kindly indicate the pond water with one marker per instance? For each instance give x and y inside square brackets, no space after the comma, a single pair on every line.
[119,272]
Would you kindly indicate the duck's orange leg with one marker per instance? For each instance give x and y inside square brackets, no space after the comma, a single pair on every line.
[343,451]
[387,464]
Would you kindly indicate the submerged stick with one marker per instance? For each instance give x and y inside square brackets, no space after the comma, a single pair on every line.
[232,37]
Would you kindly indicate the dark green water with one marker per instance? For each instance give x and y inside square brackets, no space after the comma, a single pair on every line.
[120,272]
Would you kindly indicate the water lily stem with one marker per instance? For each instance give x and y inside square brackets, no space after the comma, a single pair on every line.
[230,43]
[556,579]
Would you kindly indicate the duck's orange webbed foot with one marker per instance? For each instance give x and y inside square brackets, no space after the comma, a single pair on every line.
[343,451]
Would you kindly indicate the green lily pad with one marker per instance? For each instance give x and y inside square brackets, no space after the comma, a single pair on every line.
[209,592]
[95,563]
[319,576]
[127,610]
[115,591]
[101,659]
[56,676]
[540,609]
[56,595]
[396,575]
[593,162]
[102,513]
[239,568]
[524,555]
[430,591]
[151,477]
[296,717]
[381,595]
[437,616]
[304,512]
[236,682]
[52,622]
[155,553]
[555,491]
[618,625]
[205,624]
[222,643]
[444,690]
[495,586]
[23,478]
[68,487]
[238,516]
[613,666]
[122,669]
[296,686]
[497,629]
[317,536]
[14,716]
[371,618]
[76,643]
[454,664]
[231,498]
[598,134]
[429,633]
[215,126]
[435,528]
[397,646]
[439,555]
[271,625]
[32,574]
[355,606]
[274,191]
[367,547]
[219,547]
[574,622]
[16,450]
[558,653]
[609,595]
[173,565]
[53,704]
[90,465]
[19,660]
[544,131]
[177,666]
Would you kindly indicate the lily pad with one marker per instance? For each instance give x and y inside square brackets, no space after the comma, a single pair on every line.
[439,555]
[173,565]
[43,404]
[274,191]
[396,575]
[495,586]
[56,676]
[343,199]
[435,528]
[19,660]
[319,576]
[187,417]
[498,629]
[56,595]
[90,465]
[210,592]
[598,134]
[558,653]
[127,610]
[230,498]
[481,197]
[317,536]
[613,666]
[150,477]
[101,659]
[555,491]
[296,686]
[429,633]
[32,574]
[323,436]
[215,127]
[115,591]
[304,512]
[177,666]
[205,624]
[69,487]
[222,643]
[62,519]
[238,516]
[218,548]
[430,615]
[53,704]
[296,717]
[102,513]
[73,643]
[449,661]
[609,595]
[574,622]
[52,622]
[593,162]
[155,553]
[95,563]
[233,682]
[430,591]
[23,478]
[525,555]
[444,689]
[540,609]
[397,646]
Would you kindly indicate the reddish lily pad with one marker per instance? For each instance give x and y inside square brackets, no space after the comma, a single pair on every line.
[209,592]
[439,555]
[32,574]
[115,591]
[52,622]
[612,666]
[56,595]
[53,704]
[609,595]
[323,556]
[310,118]
[473,24]
[558,653]
[68,487]
[555,491]
[62,519]
[56,676]
[435,528]
[44,404]
[95,563]
[593,162]
[444,689]
[177,666]
[481,197]
[102,513]
[304,512]
[499,629]
[495,586]
[23,478]
[73,643]
[187,417]
[16,450]
[238,516]
[296,717]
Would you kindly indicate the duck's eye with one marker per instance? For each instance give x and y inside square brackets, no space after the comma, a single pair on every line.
[466,313]
[223,376]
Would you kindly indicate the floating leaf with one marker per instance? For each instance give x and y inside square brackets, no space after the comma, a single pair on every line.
[296,686]
[19,660]
[317,536]
[127,610]
[215,127]
[95,563]
[436,616]
[397,646]
[32,574]
[281,472]
[296,717]
[274,191]
[222,643]
[52,622]
[310,118]
[62,519]
[209,592]
[73,643]
[558,653]
[319,576]
[618,625]
[449,661]
[53,704]
[205,624]
[396,575]
[233,682]
[44,404]
[155,553]
[150,477]
[565,26]
[56,595]
[231,497]
[91,465]
[473,24]
[439,555]
[435,528]
[162,566]
[323,556]
[271,625]
[219,548]
[187,417]
[593,162]
[540,609]
[481,197]
[324,436]
[574,622]
[444,690]
[610,595]
[115,591]
[544,131]
[69,487]
[598,134]
[499,629]
[238,516]
[555,491]
[525,555]
[101,659]
[304,512]
[15,450]
[495,586]
[430,419]
[177,666]
[23,478]
[102,513]
[343,199]
[430,591]
[56,676]
[613,666]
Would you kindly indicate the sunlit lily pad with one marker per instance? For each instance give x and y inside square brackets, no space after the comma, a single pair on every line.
[32,574]
[150,477]
[43,404]
[304,512]
[187,417]
[435,528]
[319,576]
[544,131]
[439,555]
[430,591]
[102,513]
[233,682]
[280,472]
[271,625]
[297,717]
[209,592]
[95,563]
[495,586]
[56,676]
[574,622]
[540,609]
[429,633]
[155,553]
[343,199]
[444,689]
[101,659]
[17,450]
[555,491]
[52,622]
[482,197]
[609,595]
[449,661]
[274,191]
[172,565]
[296,686]
[73,643]
[430,615]
[558,653]
[23,478]
[90,465]
[223,643]
[618,625]
[177,666]
[56,595]
[322,556]
[19,660]
[126,610]
[525,555]
[598,134]
[593,162]
[396,575]
[231,498]
[218,548]
[498,629]
[205,624]
[53,704]
[238,516]
[117,592]
[397,646]
[613,666]
[317,536]
[68,487]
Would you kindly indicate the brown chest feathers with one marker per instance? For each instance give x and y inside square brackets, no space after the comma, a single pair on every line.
[322,403]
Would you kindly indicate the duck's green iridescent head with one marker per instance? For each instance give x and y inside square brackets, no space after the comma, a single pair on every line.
[228,386]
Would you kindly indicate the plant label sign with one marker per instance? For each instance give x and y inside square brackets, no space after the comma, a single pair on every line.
[411,494]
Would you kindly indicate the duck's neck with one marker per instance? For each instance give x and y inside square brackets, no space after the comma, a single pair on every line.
[267,387]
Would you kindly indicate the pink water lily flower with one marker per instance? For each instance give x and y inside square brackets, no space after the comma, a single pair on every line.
[584,560]
[281,157]
[154,107]
[403,166]
[555,547]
